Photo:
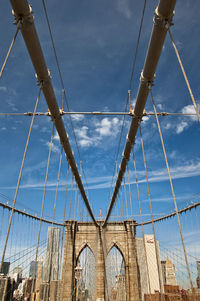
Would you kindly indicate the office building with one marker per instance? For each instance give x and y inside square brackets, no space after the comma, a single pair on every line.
[148,265]
[33,269]
[5,268]
[51,267]
[168,271]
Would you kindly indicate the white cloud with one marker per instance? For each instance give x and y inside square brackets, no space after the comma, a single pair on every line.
[159,106]
[92,136]
[107,127]
[54,147]
[180,127]
[35,167]
[178,172]
[189,109]
[77,117]
[102,182]
[3,89]
[3,129]
[44,129]
[123,7]
[185,122]
[145,119]
[84,139]
[11,103]
[167,126]
[156,176]
[172,155]
[56,136]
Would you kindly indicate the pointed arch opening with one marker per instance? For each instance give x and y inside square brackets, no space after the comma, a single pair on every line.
[86,280]
[116,274]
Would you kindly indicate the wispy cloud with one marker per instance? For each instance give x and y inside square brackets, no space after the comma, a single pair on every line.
[3,89]
[77,117]
[123,8]
[103,182]
[54,147]
[181,126]
[185,122]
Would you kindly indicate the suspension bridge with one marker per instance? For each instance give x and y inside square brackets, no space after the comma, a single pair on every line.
[62,245]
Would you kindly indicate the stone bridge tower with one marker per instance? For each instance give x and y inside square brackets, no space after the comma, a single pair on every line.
[100,240]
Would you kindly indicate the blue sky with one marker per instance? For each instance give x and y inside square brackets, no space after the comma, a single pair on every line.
[95,43]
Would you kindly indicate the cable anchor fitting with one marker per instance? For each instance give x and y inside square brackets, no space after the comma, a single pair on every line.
[163,21]
[138,119]
[22,19]
[149,82]
[55,118]
[42,82]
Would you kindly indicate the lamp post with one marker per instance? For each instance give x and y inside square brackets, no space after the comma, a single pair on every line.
[78,272]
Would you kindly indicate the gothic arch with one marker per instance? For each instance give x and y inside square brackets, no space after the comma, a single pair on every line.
[119,247]
[82,247]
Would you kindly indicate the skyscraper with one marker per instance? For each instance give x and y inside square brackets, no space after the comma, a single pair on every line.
[33,269]
[198,274]
[17,272]
[168,271]
[5,268]
[148,265]
[198,267]
[51,267]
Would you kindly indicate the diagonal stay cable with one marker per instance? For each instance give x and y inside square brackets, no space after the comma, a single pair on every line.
[9,50]
[185,76]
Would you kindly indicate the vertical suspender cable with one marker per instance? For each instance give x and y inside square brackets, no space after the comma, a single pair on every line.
[122,207]
[72,183]
[129,186]
[145,251]
[19,179]
[58,179]
[125,199]
[63,229]
[75,200]
[147,181]
[42,208]
[173,193]
[77,211]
